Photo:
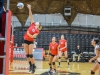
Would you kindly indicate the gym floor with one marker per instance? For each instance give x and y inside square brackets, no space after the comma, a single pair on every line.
[20,67]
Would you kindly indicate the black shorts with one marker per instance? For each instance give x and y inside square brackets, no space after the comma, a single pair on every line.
[28,42]
[52,55]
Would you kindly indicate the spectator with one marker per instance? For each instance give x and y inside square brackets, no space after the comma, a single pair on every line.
[77,54]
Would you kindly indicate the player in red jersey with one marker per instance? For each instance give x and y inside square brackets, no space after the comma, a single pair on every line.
[29,36]
[63,49]
[53,51]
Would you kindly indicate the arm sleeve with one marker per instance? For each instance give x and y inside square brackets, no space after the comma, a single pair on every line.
[38,31]
[33,24]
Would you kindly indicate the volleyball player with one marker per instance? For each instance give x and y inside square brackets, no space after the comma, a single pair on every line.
[53,51]
[29,36]
[63,49]
[96,44]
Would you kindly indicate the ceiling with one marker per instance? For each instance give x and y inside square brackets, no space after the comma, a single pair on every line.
[55,6]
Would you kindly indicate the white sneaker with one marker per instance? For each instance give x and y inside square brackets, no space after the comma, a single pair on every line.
[68,66]
[58,65]
[50,70]
[53,72]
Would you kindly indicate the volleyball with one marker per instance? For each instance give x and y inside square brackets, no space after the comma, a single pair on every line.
[20,5]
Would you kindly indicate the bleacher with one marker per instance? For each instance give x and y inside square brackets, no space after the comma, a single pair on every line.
[44,38]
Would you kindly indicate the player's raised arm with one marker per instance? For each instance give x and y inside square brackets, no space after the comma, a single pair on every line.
[30,13]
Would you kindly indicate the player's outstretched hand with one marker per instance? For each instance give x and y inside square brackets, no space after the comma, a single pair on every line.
[28,6]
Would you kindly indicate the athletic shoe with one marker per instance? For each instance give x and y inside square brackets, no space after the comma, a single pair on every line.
[68,66]
[33,69]
[50,70]
[58,65]
[30,68]
[53,72]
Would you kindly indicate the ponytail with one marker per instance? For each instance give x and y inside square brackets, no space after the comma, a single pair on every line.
[96,40]
[40,27]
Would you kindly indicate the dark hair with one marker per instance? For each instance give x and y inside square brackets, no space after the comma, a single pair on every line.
[96,40]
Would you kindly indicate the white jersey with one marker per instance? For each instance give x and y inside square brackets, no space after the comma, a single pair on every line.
[97,47]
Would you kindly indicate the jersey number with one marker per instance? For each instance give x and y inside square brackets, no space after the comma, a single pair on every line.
[33,30]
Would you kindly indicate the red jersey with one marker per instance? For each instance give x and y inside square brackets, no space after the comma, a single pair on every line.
[32,30]
[62,44]
[53,48]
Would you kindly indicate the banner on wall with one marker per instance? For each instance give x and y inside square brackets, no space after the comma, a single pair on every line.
[19,53]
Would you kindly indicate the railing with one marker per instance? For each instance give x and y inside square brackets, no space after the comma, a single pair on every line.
[2,39]
[17,24]
[2,56]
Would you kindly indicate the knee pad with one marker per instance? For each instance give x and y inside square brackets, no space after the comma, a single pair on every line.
[50,64]
[92,72]
[27,56]
[53,63]
[31,55]
[59,57]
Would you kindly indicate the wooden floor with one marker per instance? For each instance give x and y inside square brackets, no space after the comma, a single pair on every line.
[19,67]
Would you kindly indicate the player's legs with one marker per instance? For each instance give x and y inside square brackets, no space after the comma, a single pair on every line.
[31,53]
[31,57]
[54,63]
[95,68]
[66,56]
[99,69]
[59,57]
[26,48]
[50,62]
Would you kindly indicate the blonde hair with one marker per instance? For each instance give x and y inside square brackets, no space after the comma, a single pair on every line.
[62,35]
[54,37]
[40,27]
